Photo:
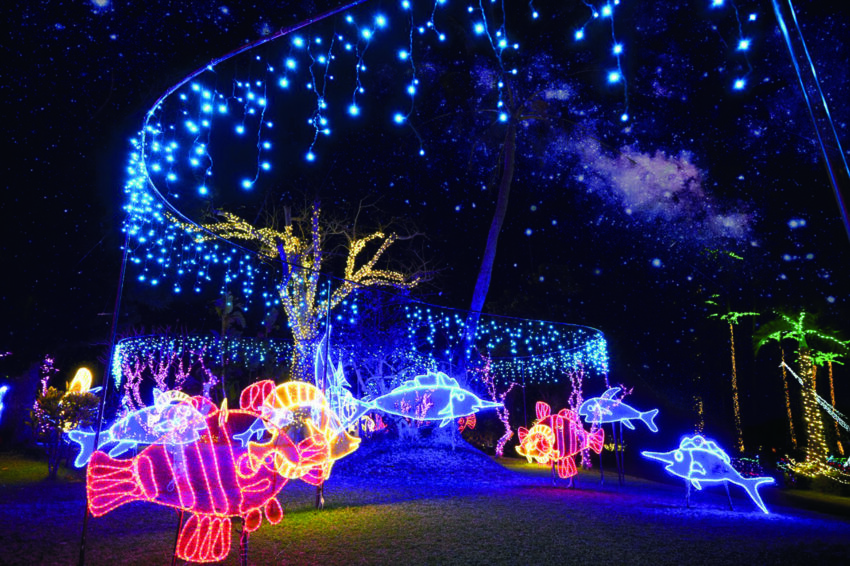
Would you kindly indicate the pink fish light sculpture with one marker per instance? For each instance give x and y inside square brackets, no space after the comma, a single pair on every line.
[555,439]
[223,473]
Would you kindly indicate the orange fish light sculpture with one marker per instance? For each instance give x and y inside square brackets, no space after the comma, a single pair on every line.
[225,473]
[556,438]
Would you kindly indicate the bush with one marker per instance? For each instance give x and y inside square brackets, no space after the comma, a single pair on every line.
[57,412]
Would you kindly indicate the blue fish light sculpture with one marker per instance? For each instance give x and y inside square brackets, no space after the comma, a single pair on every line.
[607,409]
[3,391]
[172,419]
[434,396]
[699,460]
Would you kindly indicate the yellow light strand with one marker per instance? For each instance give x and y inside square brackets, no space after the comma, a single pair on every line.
[302,263]
[832,401]
[735,403]
[816,449]
[787,399]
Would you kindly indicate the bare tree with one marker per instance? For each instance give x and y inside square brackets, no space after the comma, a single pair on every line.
[303,247]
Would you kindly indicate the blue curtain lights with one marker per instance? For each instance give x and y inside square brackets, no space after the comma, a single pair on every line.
[424,339]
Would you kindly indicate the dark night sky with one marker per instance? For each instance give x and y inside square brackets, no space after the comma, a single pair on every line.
[586,240]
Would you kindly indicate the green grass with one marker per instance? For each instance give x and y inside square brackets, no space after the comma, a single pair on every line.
[511,517]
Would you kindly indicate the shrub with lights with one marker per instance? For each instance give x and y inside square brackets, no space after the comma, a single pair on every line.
[58,412]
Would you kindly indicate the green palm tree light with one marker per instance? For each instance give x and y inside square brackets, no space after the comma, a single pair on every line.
[802,330]
[731,318]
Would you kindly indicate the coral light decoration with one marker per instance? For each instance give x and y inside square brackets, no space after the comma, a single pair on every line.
[464,423]
[215,477]
[556,438]
[699,460]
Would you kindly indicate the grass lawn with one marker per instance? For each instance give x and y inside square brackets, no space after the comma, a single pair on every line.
[433,506]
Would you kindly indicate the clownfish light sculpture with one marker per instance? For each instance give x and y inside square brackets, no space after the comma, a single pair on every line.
[224,473]
[556,439]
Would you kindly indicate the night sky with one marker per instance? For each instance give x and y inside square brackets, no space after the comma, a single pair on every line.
[620,225]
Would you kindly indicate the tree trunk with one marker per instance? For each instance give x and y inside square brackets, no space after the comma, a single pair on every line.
[832,400]
[787,399]
[735,404]
[816,450]
[302,359]
[485,272]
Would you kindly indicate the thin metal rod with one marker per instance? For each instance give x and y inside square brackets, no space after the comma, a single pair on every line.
[107,377]
[177,539]
[842,207]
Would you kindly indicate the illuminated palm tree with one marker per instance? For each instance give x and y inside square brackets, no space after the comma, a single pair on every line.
[731,318]
[803,331]
[829,358]
[762,336]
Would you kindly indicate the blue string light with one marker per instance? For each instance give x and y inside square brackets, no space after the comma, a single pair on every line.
[172,160]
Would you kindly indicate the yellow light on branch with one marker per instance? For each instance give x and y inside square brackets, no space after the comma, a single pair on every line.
[301,254]
[81,382]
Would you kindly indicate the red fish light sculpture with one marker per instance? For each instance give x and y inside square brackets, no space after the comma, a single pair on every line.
[215,477]
[556,438]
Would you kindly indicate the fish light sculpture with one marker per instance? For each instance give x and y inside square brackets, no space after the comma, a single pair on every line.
[224,473]
[3,390]
[556,439]
[172,419]
[607,409]
[434,396]
[699,460]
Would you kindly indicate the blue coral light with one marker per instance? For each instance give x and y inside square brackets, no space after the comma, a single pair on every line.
[699,460]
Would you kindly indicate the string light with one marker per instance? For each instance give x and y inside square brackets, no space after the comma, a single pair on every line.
[787,397]
[817,452]
[528,351]
[302,258]
[172,162]
[816,449]
[742,42]
[170,360]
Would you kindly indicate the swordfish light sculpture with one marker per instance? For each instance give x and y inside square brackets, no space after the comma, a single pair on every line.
[699,460]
